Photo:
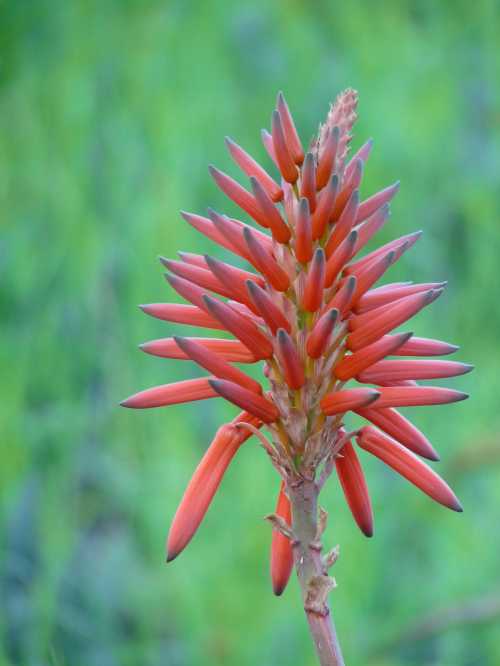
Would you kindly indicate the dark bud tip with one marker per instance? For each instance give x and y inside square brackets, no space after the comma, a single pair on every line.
[278,590]
[208,300]
[367,531]
[281,335]
[251,286]
[304,205]
[214,383]
[389,257]
[171,556]
[210,260]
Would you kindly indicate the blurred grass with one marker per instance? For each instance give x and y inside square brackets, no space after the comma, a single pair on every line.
[110,113]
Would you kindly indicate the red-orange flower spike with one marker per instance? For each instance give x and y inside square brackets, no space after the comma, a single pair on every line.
[353,484]
[281,548]
[408,465]
[309,313]
[315,282]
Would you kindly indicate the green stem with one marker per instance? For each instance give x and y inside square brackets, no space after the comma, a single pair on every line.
[314,580]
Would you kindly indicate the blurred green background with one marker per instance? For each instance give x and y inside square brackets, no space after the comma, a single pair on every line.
[110,114]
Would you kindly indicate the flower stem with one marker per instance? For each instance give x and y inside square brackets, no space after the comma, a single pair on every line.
[314,580]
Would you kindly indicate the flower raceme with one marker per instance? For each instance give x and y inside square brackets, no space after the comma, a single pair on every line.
[306,308]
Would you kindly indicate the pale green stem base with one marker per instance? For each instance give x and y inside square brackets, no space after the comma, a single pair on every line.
[313,576]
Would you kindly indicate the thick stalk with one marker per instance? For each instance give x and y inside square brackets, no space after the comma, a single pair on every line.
[314,580]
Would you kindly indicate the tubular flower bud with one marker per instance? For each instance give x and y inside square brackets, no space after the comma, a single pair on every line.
[281,548]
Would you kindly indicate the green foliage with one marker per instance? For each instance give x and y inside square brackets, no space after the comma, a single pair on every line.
[110,113]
